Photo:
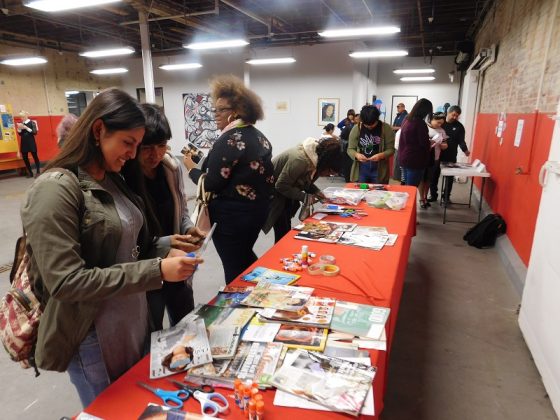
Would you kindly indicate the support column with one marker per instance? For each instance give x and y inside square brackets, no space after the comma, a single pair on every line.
[147,58]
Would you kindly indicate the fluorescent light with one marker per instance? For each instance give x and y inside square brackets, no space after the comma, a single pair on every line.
[110,71]
[380,30]
[387,53]
[261,61]
[181,66]
[24,61]
[58,5]
[108,52]
[417,79]
[413,71]
[216,44]
[71,92]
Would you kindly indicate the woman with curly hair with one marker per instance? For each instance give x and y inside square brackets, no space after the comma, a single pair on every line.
[239,172]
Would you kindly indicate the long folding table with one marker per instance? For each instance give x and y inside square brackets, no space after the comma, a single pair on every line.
[366,276]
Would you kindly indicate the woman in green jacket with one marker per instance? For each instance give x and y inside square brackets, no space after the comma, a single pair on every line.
[92,254]
[370,145]
[295,172]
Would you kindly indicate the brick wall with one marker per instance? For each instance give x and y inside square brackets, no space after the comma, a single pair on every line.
[520,29]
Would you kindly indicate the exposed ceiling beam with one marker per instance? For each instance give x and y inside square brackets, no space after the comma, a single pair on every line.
[248,13]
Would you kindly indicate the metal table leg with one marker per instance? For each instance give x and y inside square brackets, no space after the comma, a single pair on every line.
[470,194]
[445,202]
[481,197]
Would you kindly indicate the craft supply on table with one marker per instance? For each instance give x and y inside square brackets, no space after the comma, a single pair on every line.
[296,261]
[328,270]
[327,259]
[170,398]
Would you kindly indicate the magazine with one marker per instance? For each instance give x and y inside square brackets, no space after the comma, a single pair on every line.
[366,237]
[302,337]
[335,383]
[270,295]
[154,411]
[224,325]
[232,295]
[268,274]
[179,348]
[358,319]
[329,232]
[263,332]
[253,361]
[285,399]
[316,313]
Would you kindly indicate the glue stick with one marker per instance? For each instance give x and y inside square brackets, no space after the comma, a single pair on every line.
[237,392]
[246,398]
[252,410]
[304,255]
[260,410]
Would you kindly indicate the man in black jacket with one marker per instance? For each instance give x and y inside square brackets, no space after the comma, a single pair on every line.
[27,130]
[456,132]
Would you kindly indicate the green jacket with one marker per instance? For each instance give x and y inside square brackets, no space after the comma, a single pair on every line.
[73,233]
[294,174]
[387,147]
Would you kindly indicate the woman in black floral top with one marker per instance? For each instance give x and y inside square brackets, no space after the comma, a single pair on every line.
[239,171]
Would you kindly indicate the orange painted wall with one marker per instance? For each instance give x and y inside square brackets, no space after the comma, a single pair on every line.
[515,196]
[46,137]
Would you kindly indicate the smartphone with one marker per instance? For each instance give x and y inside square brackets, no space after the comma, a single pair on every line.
[207,239]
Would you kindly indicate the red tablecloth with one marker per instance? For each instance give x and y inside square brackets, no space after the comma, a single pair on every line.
[371,277]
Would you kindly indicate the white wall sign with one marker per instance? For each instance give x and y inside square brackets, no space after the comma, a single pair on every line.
[518,133]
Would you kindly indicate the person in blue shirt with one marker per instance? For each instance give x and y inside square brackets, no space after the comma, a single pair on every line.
[399,118]
[348,121]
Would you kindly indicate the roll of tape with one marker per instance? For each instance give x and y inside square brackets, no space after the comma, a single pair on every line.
[315,269]
[327,259]
[330,270]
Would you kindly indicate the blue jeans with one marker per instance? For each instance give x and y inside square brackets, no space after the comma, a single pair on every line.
[87,370]
[412,176]
[368,172]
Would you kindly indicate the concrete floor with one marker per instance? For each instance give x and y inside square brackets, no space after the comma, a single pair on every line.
[457,354]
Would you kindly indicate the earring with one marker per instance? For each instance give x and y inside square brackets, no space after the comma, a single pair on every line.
[229,118]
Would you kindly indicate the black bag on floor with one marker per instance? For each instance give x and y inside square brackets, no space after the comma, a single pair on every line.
[485,232]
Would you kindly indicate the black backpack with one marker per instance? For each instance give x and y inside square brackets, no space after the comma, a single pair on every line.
[485,232]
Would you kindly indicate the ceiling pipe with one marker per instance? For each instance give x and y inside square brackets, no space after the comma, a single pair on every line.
[214,11]
[248,13]
[421,23]
[367,8]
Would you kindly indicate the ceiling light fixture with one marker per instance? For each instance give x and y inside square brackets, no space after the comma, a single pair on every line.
[108,52]
[110,71]
[370,54]
[59,5]
[414,71]
[181,66]
[210,45]
[380,30]
[24,61]
[263,61]
[417,79]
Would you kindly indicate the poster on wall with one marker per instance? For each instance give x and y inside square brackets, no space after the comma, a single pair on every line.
[200,125]
[8,139]
[141,95]
[328,111]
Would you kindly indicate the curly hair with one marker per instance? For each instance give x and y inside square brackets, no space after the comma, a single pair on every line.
[246,104]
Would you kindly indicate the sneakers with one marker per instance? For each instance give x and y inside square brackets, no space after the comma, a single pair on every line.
[432,199]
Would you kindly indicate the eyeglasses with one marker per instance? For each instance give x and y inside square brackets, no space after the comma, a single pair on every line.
[220,110]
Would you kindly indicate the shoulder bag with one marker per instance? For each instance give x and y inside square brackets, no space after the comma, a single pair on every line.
[201,214]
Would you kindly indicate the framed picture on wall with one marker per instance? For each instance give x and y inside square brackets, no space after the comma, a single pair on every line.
[328,111]
[141,95]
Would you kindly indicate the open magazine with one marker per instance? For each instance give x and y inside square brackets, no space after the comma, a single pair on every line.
[359,319]
[273,276]
[270,295]
[317,312]
[254,361]
[329,232]
[224,325]
[302,337]
[335,383]
[179,348]
[371,237]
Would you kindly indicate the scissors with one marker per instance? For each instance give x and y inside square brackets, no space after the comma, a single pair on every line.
[206,388]
[210,403]
[170,398]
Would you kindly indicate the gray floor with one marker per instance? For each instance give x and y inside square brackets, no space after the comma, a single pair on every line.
[457,353]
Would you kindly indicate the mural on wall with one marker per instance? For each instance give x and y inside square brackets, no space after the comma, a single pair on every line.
[200,125]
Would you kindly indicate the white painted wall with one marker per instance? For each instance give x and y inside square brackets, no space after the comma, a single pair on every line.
[321,71]
[439,91]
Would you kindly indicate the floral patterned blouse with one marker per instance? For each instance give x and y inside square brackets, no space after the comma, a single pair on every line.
[239,165]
